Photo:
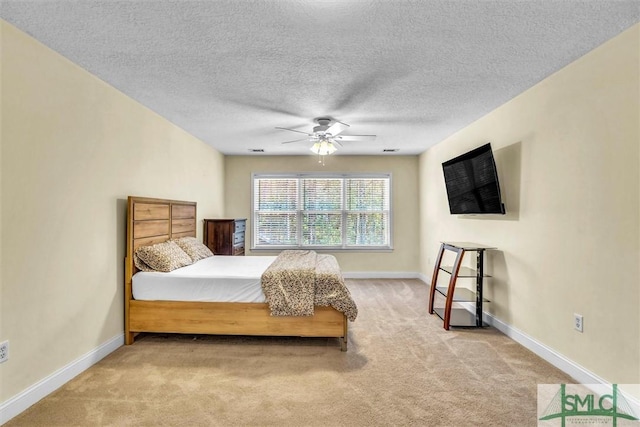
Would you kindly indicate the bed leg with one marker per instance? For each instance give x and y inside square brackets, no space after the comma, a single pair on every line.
[343,343]
[128,338]
[345,334]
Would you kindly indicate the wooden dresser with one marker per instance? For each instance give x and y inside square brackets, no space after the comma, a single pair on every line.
[225,236]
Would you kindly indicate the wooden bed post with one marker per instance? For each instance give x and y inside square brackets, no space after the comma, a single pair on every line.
[128,273]
[128,335]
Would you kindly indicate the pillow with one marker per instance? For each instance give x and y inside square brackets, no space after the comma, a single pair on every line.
[164,257]
[194,248]
[140,264]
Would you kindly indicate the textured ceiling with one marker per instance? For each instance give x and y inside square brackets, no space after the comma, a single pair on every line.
[411,72]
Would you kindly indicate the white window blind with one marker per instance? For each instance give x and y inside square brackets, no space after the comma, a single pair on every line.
[346,211]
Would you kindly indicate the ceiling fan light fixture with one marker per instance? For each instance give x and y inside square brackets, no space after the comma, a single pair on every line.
[323,148]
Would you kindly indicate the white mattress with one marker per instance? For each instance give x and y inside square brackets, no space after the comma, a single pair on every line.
[217,278]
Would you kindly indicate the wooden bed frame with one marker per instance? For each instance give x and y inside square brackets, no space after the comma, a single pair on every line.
[151,221]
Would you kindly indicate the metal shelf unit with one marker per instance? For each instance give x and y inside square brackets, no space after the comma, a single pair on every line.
[459,316]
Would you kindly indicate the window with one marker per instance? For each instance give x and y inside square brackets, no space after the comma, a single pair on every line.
[346,211]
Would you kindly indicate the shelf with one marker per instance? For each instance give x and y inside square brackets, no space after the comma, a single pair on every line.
[468,246]
[471,300]
[460,294]
[459,317]
[463,272]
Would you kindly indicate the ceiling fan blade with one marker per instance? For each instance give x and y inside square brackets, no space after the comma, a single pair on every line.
[337,128]
[293,130]
[335,141]
[356,137]
[295,140]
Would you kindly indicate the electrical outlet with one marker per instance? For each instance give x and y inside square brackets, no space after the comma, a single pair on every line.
[577,322]
[4,351]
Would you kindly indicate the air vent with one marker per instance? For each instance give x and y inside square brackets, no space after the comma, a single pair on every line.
[390,150]
[256,150]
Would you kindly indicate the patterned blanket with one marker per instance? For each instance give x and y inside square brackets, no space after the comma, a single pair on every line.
[298,280]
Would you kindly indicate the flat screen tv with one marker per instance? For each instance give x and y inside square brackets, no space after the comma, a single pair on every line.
[472,183]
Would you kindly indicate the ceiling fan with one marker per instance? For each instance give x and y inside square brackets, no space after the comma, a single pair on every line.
[326,135]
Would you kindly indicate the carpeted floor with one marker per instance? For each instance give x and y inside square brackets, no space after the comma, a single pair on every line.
[402,368]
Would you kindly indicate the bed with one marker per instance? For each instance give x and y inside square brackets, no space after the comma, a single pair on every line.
[151,221]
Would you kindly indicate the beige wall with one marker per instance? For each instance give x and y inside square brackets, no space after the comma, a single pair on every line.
[73,149]
[404,169]
[568,157]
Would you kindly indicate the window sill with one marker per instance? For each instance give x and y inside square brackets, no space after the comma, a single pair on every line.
[322,249]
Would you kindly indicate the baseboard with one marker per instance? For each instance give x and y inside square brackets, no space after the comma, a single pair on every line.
[577,372]
[51,383]
[425,279]
[380,275]
[566,365]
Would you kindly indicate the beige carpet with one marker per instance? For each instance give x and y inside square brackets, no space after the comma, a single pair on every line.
[402,368]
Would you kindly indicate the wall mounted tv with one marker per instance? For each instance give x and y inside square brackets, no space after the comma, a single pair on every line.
[472,183]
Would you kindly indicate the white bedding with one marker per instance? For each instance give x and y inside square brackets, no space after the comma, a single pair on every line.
[217,278]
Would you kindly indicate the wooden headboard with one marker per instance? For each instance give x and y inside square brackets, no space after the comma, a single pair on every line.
[151,221]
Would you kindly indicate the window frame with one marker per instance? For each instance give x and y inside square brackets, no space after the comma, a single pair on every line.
[344,212]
